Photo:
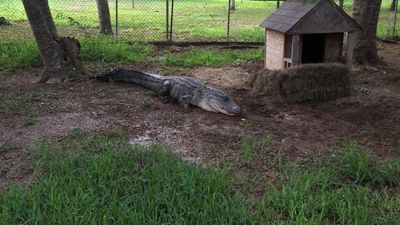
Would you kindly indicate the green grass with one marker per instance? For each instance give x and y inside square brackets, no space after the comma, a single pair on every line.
[103,180]
[362,168]
[97,48]
[111,50]
[320,197]
[212,57]
[19,54]
[194,20]
[122,50]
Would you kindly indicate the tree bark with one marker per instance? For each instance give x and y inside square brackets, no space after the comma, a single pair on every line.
[366,13]
[232,5]
[393,5]
[61,56]
[104,17]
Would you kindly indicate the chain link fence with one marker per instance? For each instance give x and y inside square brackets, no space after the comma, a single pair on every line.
[170,20]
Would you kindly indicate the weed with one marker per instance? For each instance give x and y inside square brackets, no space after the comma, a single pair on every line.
[5,147]
[30,119]
[144,103]
[257,150]
[362,168]
[54,95]
[23,54]
[14,104]
[34,96]
[247,148]
[245,123]
[319,196]
[102,179]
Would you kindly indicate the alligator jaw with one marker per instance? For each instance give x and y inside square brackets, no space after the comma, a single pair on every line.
[228,108]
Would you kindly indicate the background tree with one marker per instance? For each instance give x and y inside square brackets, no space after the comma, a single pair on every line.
[232,5]
[366,13]
[61,56]
[393,5]
[104,17]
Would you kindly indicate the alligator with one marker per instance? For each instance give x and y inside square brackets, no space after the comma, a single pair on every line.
[186,90]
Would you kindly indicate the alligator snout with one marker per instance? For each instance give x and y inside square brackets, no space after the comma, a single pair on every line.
[235,110]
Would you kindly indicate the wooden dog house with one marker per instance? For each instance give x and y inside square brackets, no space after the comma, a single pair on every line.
[308,32]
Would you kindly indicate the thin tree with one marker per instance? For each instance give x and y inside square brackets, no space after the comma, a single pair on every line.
[104,17]
[366,13]
[393,5]
[61,55]
[232,5]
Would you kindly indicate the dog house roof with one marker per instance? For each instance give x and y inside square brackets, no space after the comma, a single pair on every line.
[310,16]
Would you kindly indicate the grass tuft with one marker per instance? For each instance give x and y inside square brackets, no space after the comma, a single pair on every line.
[362,168]
[114,49]
[24,54]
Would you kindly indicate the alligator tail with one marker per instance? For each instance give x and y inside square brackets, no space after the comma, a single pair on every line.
[150,81]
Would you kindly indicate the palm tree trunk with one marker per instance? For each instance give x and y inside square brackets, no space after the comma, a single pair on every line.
[366,13]
[104,16]
[61,56]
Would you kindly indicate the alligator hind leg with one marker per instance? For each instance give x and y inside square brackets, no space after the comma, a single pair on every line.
[166,99]
[185,102]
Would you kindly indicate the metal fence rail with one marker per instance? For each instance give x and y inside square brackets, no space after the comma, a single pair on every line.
[171,20]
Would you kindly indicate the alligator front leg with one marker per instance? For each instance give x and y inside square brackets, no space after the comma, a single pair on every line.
[185,100]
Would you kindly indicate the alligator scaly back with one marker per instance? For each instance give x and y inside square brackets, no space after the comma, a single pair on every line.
[186,90]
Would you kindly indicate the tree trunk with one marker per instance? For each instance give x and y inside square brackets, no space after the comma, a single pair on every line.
[232,5]
[61,56]
[366,13]
[104,16]
[393,5]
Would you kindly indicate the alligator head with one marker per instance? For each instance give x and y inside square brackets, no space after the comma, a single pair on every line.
[218,101]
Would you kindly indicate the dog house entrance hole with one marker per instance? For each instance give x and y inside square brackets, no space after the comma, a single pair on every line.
[313,48]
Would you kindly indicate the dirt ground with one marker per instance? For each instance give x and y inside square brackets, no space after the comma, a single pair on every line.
[371,116]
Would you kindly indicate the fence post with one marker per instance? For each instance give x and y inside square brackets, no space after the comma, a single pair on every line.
[229,21]
[172,19]
[116,17]
[395,19]
[167,19]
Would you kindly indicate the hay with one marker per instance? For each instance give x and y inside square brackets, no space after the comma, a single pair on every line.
[309,82]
